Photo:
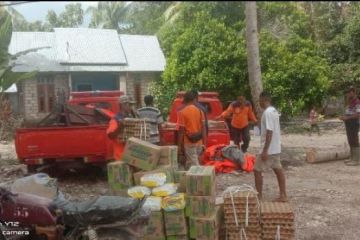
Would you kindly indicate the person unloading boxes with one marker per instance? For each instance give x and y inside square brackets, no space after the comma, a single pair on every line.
[115,126]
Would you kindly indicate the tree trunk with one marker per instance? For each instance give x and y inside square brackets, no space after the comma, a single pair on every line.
[316,156]
[253,59]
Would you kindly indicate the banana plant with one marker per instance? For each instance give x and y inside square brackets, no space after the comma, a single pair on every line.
[7,61]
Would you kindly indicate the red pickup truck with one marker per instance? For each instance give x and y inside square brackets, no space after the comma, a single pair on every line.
[75,145]
[218,131]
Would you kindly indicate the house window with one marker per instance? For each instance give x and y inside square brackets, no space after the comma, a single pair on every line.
[46,93]
[84,87]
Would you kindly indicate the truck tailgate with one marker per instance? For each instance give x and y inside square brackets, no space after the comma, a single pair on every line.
[218,134]
[64,142]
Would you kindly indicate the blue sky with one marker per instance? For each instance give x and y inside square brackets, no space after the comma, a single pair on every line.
[37,10]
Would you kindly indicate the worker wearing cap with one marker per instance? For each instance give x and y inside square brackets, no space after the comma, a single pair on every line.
[351,120]
[114,129]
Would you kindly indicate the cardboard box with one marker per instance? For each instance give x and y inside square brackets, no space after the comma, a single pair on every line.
[141,154]
[206,228]
[178,237]
[200,206]
[120,176]
[200,181]
[175,223]
[155,229]
[180,179]
[169,156]
[167,170]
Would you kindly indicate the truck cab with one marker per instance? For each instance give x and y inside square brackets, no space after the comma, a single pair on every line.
[209,100]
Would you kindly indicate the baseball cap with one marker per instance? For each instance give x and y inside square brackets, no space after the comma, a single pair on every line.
[125,99]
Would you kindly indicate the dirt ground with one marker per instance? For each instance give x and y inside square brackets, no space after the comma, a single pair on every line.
[325,197]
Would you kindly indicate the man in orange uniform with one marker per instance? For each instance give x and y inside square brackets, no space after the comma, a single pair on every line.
[242,113]
[192,132]
[115,128]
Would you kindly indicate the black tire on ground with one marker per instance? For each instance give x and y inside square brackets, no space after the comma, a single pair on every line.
[113,234]
[31,169]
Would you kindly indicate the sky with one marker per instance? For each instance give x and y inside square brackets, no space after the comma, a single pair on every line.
[37,10]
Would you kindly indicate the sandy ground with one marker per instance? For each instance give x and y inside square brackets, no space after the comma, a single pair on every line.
[325,197]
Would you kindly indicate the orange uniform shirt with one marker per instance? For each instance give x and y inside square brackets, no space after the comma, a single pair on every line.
[117,144]
[192,119]
[241,115]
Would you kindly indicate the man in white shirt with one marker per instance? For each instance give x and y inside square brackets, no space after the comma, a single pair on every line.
[270,147]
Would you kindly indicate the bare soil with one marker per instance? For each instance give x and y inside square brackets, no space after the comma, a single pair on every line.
[325,197]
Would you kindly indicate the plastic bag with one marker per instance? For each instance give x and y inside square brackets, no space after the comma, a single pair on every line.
[165,190]
[39,184]
[174,202]
[139,192]
[153,203]
[153,180]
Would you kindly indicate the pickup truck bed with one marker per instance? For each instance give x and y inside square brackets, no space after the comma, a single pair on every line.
[41,145]
[218,134]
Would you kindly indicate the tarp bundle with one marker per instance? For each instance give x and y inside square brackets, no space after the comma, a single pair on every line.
[227,158]
[101,210]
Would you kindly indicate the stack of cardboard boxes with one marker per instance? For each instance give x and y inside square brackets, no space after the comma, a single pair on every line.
[204,216]
[200,219]
[141,158]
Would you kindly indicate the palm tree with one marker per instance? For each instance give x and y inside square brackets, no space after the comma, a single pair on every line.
[110,15]
[253,58]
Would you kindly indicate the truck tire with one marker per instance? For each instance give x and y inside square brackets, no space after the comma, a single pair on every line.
[113,234]
[31,169]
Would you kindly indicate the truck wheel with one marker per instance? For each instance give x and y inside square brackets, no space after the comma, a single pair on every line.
[113,234]
[31,169]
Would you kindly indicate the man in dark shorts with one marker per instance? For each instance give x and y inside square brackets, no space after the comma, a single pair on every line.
[242,114]
[351,120]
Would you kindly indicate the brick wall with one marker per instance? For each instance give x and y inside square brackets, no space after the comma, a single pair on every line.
[31,111]
[144,78]
[30,95]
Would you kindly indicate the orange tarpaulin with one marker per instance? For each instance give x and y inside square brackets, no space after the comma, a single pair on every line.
[213,157]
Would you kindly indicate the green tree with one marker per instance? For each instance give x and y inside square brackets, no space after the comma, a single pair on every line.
[146,17]
[19,23]
[72,16]
[109,15]
[208,56]
[294,72]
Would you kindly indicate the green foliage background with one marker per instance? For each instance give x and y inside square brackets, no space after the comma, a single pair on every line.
[309,50]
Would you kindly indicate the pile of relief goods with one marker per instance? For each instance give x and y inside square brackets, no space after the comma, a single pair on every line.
[182,202]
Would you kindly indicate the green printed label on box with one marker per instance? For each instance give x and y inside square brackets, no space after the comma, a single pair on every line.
[200,181]
[206,228]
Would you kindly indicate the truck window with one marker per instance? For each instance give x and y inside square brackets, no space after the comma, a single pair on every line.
[207,106]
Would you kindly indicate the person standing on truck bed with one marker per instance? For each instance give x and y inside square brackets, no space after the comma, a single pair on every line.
[114,129]
[155,117]
[242,114]
[192,132]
